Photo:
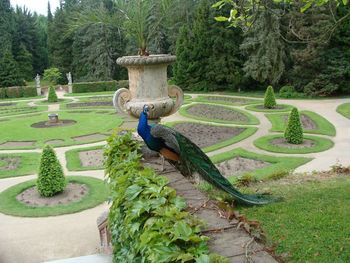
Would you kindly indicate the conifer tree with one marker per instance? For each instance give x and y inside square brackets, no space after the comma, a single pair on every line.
[269,99]
[52,96]
[51,179]
[294,131]
[9,75]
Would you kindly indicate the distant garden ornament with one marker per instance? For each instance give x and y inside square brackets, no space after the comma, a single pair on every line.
[37,84]
[70,82]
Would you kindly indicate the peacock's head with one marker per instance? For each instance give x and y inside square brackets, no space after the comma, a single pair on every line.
[145,109]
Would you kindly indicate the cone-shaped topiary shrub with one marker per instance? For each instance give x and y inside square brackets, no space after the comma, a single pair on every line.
[52,97]
[294,131]
[51,179]
[269,99]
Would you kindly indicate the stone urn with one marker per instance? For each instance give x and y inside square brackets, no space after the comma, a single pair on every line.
[148,85]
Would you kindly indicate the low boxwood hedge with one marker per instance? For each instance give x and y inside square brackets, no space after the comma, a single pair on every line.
[17,92]
[100,86]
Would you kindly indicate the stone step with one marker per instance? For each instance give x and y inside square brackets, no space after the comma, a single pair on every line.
[97,258]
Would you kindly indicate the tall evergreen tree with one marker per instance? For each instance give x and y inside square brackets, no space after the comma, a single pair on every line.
[9,75]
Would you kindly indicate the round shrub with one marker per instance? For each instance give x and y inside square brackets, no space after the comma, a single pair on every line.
[294,131]
[52,97]
[269,99]
[51,179]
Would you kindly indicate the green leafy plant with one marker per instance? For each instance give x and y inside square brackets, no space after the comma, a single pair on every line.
[51,179]
[269,99]
[52,96]
[146,218]
[294,131]
[52,75]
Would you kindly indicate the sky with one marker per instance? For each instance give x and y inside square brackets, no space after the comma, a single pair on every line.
[39,6]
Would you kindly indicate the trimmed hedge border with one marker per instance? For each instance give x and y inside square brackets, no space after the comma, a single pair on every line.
[100,86]
[278,164]
[18,92]
[323,125]
[98,193]
[322,144]
[252,120]
[254,107]
[249,131]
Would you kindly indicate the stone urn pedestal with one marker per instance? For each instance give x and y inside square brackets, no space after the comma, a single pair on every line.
[148,85]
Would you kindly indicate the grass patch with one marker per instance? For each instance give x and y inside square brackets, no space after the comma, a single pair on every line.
[278,165]
[20,108]
[251,120]
[323,125]
[89,94]
[311,224]
[231,101]
[20,129]
[74,163]
[28,164]
[249,131]
[98,193]
[46,102]
[321,144]
[258,108]
[344,110]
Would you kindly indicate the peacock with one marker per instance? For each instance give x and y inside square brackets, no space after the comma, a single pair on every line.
[187,157]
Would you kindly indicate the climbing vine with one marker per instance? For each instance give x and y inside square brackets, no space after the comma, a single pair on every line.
[146,219]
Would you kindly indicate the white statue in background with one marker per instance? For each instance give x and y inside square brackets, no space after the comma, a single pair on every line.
[37,80]
[69,77]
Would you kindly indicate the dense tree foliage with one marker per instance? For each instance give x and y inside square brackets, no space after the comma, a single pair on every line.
[272,43]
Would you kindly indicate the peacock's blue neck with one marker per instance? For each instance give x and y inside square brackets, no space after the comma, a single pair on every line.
[143,129]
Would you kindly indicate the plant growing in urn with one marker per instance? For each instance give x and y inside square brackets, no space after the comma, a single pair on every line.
[294,131]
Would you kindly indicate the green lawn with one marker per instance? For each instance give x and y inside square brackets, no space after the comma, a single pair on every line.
[74,163]
[344,110]
[278,165]
[20,108]
[251,119]
[321,144]
[89,94]
[323,125]
[19,129]
[28,164]
[97,194]
[311,224]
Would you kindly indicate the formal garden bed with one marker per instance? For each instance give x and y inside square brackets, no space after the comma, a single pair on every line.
[83,159]
[59,101]
[212,137]
[277,108]
[18,164]
[277,143]
[240,162]
[20,108]
[81,193]
[226,100]
[219,114]
[92,128]
[344,109]
[311,123]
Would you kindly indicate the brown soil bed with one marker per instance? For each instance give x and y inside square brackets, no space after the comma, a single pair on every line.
[10,163]
[7,104]
[239,165]
[99,98]
[307,123]
[205,135]
[18,144]
[216,112]
[80,111]
[72,193]
[277,107]
[281,142]
[55,141]
[90,137]
[90,104]
[93,158]
[46,124]
[236,101]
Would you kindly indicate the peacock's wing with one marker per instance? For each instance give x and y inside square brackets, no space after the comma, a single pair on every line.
[194,159]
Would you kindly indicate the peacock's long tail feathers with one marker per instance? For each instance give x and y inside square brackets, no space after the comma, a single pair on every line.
[195,159]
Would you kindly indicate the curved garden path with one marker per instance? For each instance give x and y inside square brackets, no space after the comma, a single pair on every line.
[38,239]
